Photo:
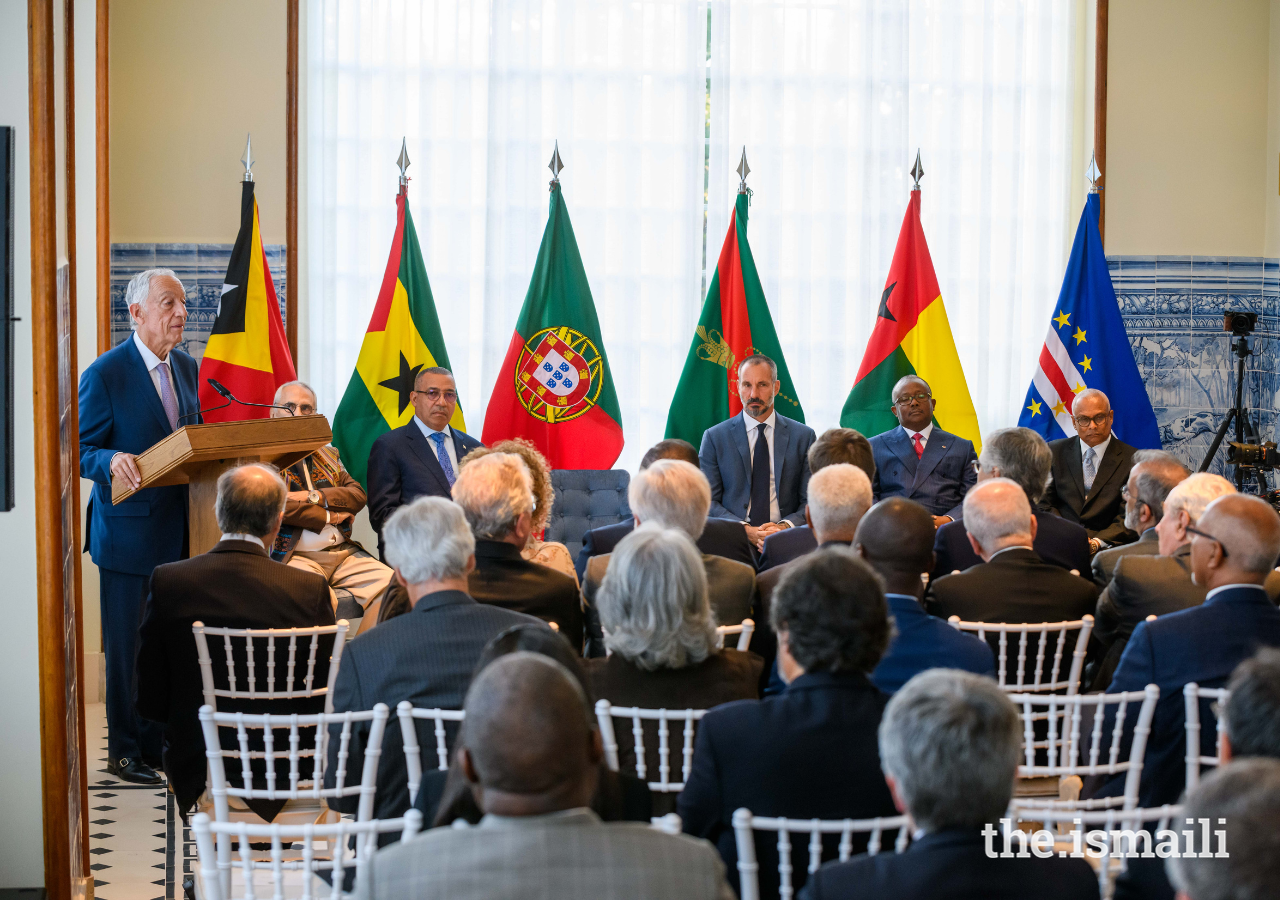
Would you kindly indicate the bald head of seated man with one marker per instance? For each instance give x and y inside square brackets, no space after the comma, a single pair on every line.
[532,758]
[896,538]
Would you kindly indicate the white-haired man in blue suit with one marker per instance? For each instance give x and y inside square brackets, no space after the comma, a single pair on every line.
[761,483]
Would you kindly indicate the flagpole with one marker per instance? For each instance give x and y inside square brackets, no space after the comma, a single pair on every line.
[743,171]
[403,162]
[247,159]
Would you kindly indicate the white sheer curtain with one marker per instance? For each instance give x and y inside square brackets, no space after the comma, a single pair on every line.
[483,90]
[831,97]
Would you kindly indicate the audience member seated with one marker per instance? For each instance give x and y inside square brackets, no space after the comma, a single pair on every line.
[1233,549]
[1089,471]
[838,498]
[425,656]
[950,744]
[896,539]
[323,501]
[661,639]
[496,494]
[533,759]
[1022,456]
[234,585]
[811,751]
[1154,474]
[720,537]
[1243,859]
[672,493]
[552,554]
[445,797]
[1012,584]
[919,461]
[835,445]
[1251,727]
[1144,585]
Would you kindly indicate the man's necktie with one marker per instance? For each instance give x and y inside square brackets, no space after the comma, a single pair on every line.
[444,458]
[1090,472]
[759,513]
[167,398]
[919,446]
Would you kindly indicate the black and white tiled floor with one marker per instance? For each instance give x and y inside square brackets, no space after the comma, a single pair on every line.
[137,845]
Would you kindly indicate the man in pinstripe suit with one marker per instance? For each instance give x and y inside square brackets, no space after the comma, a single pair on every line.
[425,656]
[532,757]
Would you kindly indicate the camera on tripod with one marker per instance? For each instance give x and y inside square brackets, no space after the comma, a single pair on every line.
[1248,453]
[1239,323]
[1254,456]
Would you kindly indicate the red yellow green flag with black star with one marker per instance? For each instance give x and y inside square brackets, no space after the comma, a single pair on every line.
[404,337]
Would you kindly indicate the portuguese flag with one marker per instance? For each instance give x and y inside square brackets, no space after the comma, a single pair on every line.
[555,388]
[247,351]
[911,337]
[735,324]
[403,337]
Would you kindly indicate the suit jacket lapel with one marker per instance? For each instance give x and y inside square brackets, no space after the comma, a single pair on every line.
[781,439]
[138,372]
[934,450]
[1107,467]
[900,444]
[1075,465]
[738,434]
[460,448]
[426,453]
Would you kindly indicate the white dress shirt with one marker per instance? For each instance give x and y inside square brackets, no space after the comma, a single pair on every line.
[753,431]
[452,451]
[924,435]
[150,360]
[251,538]
[1231,587]
[324,539]
[1099,452]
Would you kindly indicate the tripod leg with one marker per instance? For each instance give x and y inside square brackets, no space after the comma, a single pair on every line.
[1217,440]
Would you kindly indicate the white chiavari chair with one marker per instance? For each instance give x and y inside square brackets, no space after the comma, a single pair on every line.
[743,631]
[266,675]
[605,714]
[407,713]
[1049,645]
[1193,694]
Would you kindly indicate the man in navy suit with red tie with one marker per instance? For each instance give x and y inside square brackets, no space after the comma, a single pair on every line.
[421,458]
[918,460]
[132,397]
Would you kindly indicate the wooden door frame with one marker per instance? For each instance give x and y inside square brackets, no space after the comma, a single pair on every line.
[1100,109]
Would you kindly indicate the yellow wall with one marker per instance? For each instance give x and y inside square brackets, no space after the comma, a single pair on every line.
[1189,170]
[188,80]
[1272,166]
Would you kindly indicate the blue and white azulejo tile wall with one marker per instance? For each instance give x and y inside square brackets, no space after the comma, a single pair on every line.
[1172,308]
[200,267]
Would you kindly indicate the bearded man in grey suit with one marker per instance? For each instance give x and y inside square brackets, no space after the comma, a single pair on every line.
[532,759]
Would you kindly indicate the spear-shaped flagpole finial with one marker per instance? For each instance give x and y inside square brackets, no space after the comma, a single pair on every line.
[403,162]
[556,164]
[917,171]
[1093,173]
[247,159]
[743,171]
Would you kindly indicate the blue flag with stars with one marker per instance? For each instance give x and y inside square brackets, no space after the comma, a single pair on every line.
[1087,347]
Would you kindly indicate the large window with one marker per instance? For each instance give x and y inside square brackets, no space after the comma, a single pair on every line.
[652,102]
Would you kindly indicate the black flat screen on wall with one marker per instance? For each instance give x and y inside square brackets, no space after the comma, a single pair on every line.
[6,317]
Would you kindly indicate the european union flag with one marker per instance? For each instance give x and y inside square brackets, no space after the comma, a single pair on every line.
[1087,347]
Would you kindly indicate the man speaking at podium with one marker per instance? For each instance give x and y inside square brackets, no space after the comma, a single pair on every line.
[132,397]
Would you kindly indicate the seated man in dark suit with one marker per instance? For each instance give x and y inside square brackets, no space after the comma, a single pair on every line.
[1143,585]
[1089,472]
[422,457]
[1012,584]
[425,656]
[835,445]
[1154,474]
[810,752]
[1020,455]
[496,495]
[675,494]
[919,460]
[720,537]
[1233,549]
[950,745]
[895,538]
[761,484]
[234,585]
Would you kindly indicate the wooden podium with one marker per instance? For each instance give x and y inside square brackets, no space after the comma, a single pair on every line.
[197,454]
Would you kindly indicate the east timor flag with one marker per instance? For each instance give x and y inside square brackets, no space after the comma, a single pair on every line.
[247,350]
[911,337]
[403,338]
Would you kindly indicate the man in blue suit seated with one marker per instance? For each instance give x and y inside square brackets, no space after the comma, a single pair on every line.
[895,538]
[835,445]
[132,397]
[950,744]
[421,458]
[762,483]
[1234,546]
[1020,455]
[920,461]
